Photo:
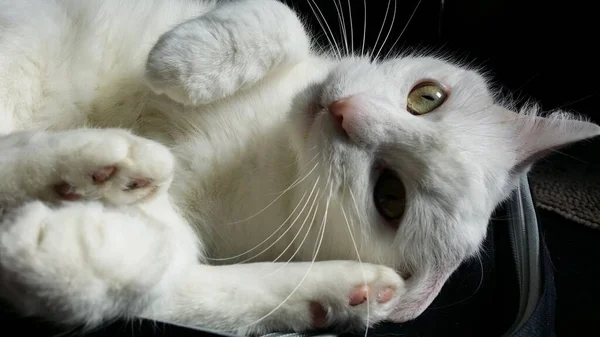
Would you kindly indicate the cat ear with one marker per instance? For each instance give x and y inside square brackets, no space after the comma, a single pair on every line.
[538,136]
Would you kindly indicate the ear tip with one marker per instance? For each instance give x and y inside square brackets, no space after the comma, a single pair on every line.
[584,128]
[594,130]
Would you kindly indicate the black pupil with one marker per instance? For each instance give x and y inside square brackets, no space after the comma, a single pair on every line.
[428,97]
[389,195]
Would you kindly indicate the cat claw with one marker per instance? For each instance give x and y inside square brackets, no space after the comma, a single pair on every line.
[361,294]
[138,183]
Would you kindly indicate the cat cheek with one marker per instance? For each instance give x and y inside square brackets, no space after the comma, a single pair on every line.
[423,288]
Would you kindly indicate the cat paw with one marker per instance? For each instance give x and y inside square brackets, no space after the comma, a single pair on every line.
[362,300]
[341,295]
[79,263]
[231,47]
[113,166]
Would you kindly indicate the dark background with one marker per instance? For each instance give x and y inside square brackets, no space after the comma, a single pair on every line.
[534,50]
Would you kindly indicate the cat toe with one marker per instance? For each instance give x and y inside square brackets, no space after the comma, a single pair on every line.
[113,166]
[359,295]
[362,293]
[365,295]
[66,191]
[318,314]
[138,183]
[72,192]
[104,174]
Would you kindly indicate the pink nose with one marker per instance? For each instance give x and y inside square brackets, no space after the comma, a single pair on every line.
[338,109]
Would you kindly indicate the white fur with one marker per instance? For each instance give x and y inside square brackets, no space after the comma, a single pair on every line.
[254,167]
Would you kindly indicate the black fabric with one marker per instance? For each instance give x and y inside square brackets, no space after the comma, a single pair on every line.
[575,263]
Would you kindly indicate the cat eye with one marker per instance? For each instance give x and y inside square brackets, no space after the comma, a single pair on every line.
[389,196]
[425,97]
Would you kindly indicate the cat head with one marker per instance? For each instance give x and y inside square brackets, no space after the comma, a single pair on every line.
[414,155]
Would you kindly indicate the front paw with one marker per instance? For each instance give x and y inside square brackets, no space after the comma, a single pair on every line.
[230,48]
[80,263]
[338,295]
[366,294]
[110,165]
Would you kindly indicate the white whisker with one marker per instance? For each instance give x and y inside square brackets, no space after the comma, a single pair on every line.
[312,220]
[300,231]
[323,224]
[265,240]
[387,11]
[307,163]
[351,28]
[322,231]
[362,50]
[342,22]
[404,29]
[330,184]
[326,28]
[357,252]
[359,261]
[294,184]
[290,226]
[390,30]
[358,213]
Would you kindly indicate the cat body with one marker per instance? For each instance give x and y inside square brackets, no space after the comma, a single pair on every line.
[159,156]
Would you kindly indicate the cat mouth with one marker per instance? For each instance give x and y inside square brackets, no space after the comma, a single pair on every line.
[313,110]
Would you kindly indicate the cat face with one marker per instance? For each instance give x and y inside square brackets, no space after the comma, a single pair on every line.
[416,156]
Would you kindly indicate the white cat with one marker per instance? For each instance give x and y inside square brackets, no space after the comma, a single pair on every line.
[270,152]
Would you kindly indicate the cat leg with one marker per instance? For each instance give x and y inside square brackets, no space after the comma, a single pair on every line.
[83,263]
[260,298]
[110,165]
[88,261]
[228,49]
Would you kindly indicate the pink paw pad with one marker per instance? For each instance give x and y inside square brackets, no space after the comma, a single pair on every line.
[385,295]
[360,295]
[103,175]
[66,192]
[319,315]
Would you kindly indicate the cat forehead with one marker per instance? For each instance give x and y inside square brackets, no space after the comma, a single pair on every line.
[406,72]
[430,66]
[394,78]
